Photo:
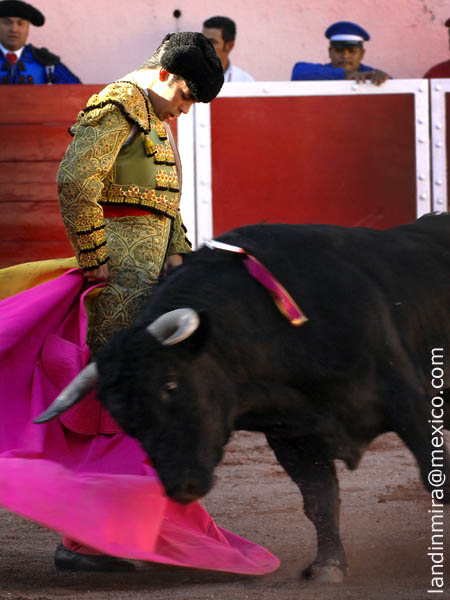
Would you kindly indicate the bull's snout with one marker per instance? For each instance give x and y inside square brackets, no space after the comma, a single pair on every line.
[190,489]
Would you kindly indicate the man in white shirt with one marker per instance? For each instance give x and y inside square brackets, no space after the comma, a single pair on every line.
[221,32]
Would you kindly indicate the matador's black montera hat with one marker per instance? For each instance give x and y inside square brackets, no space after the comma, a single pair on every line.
[17,8]
[192,56]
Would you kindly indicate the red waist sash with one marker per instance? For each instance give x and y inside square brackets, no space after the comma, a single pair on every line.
[112,211]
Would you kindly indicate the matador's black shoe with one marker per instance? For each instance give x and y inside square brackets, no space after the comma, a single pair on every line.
[67,560]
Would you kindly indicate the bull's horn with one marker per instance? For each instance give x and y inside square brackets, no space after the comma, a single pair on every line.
[174,326]
[77,389]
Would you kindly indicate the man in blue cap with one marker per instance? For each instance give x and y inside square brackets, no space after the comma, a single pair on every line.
[21,62]
[346,51]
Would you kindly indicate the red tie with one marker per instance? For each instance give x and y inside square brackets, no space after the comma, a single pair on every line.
[11,57]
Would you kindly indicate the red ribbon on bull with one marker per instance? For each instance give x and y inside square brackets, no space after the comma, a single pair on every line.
[284,301]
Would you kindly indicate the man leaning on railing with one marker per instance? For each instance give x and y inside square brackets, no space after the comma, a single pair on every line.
[346,52]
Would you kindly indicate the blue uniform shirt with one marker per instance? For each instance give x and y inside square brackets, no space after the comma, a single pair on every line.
[304,71]
[30,70]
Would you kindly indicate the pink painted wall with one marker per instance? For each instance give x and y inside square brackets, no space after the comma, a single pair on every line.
[100,41]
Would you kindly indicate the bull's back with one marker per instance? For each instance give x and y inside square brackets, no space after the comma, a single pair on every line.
[402,260]
[364,291]
[362,286]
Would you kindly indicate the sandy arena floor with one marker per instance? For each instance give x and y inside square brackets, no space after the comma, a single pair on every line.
[385,527]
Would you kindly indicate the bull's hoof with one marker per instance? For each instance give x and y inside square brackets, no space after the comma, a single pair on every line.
[325,572]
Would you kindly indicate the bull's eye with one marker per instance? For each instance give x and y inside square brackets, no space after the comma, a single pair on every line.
[170,386]
[167,390]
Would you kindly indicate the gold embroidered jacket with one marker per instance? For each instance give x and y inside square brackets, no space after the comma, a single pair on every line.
[97,169]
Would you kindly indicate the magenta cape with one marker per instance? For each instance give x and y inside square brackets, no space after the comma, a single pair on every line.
[98,489]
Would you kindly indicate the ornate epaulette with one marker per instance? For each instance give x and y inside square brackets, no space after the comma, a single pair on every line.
[129,98]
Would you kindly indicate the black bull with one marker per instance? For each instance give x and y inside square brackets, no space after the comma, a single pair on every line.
[374,357]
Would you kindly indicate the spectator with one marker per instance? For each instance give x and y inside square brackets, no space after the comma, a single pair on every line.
[22,62]
[441,69]
[221,32]
[346,52]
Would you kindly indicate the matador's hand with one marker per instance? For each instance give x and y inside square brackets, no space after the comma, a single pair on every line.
[172,261]
[99,274]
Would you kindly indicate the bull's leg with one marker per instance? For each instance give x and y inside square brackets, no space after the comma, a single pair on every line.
[421,429]
[317,480]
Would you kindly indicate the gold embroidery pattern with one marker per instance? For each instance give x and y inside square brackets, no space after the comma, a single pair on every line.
[93,259]
[163,153]
[179,243]
[174,186]
[91,240]
[162,180]
[170,156]
[150,147]
[160,154]
[129,98]
[137,248]
[87,161]
[158,126]
[146,197]
[87,224]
